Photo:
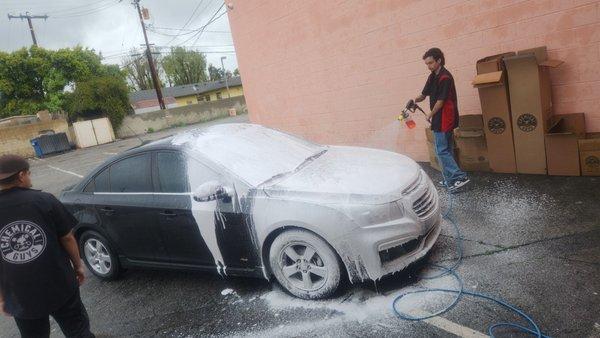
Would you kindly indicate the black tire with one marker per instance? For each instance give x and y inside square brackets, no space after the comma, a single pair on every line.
[309,275]
[101,270]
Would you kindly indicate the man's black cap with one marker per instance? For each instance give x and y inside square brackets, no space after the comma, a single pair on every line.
[12,164]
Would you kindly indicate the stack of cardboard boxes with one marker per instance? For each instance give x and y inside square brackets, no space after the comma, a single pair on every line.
[517,131]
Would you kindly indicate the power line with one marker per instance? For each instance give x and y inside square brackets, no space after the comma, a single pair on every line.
[187,22]
[89,11]
[64,10]
[211,20]
[189,30]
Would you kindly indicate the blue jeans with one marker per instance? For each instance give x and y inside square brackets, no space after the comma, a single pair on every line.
[444,150]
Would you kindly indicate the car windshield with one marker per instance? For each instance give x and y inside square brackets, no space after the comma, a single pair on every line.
[254,153]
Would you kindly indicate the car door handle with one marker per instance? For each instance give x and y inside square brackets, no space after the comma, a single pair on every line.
[107,210]
[168,213]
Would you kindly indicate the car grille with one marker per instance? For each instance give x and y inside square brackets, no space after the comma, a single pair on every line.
[414,185]
[425,204]
[391,254]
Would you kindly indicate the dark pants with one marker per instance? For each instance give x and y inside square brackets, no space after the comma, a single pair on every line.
[71,317]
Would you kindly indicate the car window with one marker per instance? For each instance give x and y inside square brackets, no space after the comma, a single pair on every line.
[172,172]
[99,183]
[200,174]
[131,175]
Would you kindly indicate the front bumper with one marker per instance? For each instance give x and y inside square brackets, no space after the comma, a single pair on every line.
[373,251]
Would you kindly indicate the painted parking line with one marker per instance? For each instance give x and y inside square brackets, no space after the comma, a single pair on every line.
[453,328]
[65,171]
[107,153]
[444,325]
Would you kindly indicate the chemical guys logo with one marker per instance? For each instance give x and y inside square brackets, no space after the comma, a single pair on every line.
[22,242]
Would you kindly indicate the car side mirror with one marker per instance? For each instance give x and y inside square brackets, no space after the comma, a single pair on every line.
[211,191]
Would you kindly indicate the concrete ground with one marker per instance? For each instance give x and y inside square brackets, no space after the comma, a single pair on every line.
[530,240]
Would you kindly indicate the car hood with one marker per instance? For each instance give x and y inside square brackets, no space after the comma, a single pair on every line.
[350,175]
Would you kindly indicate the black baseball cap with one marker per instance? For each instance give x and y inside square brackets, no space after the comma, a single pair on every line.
[11,165]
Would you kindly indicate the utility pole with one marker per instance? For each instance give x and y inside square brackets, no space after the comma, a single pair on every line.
[153,72]
[225,76]
[29,17]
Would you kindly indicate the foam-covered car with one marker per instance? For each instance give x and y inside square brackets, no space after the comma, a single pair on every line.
[242,199]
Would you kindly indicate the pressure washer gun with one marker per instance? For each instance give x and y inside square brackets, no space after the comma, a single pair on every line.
[405,117]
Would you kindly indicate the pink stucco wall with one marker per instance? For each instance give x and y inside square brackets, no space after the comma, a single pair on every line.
[339,71]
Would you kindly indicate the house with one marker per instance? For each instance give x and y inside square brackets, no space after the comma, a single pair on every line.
[144,101]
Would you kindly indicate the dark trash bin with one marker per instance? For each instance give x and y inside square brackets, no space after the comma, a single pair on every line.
[50,144]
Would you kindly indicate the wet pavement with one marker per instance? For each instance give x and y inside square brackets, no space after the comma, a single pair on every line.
[533,241]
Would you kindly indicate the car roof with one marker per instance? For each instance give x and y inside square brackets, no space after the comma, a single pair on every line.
[174,142]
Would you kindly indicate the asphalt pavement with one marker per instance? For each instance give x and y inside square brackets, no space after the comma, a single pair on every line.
[530,240]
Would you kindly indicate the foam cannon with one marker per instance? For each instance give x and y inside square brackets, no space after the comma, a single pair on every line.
[405,117]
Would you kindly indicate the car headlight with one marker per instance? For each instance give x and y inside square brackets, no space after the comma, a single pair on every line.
[380,213]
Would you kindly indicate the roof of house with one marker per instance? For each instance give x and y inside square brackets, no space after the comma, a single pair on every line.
[184,90]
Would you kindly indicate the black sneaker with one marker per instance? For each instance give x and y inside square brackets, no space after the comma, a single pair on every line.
[459,184]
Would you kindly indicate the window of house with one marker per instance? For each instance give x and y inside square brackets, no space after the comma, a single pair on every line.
[207,97]
[200,98]
[218,95]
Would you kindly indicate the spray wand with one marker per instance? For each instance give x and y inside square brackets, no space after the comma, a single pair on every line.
[405,117]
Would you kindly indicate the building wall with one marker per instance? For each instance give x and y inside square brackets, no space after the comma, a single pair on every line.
[339,72]
[204,111]
[191,99]
[16,139]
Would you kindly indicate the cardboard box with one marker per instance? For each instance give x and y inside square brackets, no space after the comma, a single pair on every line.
[491,83]
[562,149]
[531,106]
[470,122]
[589,155]
[433,161]
[472,150]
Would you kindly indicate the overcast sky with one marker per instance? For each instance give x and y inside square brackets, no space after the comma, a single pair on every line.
[113,27]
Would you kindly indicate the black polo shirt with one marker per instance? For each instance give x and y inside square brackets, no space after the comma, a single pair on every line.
[36,275]
[441,87]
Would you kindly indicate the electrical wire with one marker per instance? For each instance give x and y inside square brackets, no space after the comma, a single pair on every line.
[88,12]
[187,22]
[533,328]
[199,33]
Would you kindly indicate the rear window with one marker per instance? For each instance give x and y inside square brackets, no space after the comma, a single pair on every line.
[100,183]
[172,172]
[131,175]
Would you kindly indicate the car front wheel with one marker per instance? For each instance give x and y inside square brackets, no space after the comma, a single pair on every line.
[99,258]
[305,265]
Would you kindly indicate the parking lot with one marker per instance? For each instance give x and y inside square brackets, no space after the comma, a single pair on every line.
[530,240]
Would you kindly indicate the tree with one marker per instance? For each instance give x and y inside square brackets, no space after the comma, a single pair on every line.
[100,96]
[35,79]
[214,73]
[138,71]
[184,66]
[236,72]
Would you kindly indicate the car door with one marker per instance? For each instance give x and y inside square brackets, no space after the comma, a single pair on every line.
[179,230]
[200,233]
[126,205]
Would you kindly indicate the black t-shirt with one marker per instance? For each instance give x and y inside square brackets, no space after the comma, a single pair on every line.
[441,87]
[36,275]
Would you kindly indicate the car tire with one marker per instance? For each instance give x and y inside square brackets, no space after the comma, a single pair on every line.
[98,256]
[305,265]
